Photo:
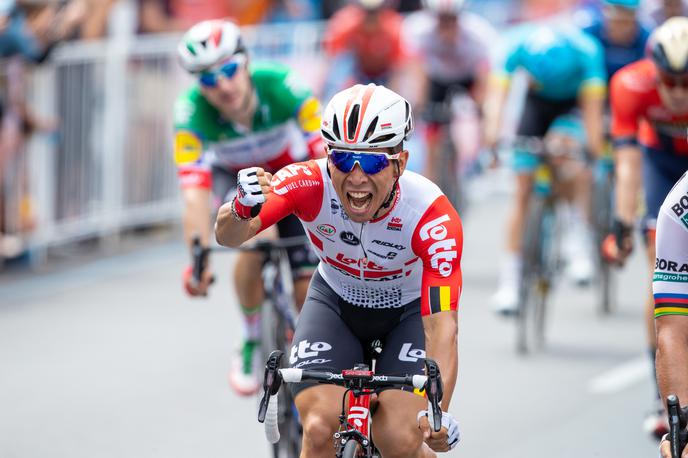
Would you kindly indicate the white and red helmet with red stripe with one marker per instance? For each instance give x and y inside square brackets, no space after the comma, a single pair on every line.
[208,43]
[363,117]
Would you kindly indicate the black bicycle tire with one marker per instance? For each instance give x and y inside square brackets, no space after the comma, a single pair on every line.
[603,222]
[351,449]
[530,273]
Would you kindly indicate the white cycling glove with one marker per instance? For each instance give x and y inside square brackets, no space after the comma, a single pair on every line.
[449,422]
[249,196]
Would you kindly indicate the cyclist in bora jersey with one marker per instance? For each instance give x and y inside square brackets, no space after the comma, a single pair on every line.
[670,288]
[389,244]
[239,115]
[649,101]
[452,47]
[566,71]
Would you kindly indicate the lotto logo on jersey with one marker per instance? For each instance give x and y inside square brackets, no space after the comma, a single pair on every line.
[443,250]
[394,224]
[305,350]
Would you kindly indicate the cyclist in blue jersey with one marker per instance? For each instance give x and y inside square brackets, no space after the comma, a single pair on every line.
[621,34]
[565,69]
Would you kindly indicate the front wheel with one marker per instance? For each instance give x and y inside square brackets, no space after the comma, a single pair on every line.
[351,449]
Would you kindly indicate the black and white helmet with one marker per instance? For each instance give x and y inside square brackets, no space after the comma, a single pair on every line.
[363,117]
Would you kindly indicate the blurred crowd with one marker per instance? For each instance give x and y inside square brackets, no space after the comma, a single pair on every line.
[31,29]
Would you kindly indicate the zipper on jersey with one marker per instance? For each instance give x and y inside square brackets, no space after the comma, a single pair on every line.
[364,262]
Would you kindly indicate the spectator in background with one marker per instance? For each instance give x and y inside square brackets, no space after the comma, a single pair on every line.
[655,12]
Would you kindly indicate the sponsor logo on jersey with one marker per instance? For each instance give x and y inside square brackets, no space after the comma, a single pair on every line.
[305,350]
[336,207]
[349,238]
[670,266]
[680,209]
[389,255]
[384,243]
[443,251]
[309,115]
[311,361]
[288,172]
[327,230]
[410,355]
[394,224]
[188,148]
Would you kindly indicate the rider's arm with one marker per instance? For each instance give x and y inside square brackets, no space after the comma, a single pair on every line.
[671,295]
[593,92]
[499,82]
[438,241]
[627,155]
[195,180]
[294,189]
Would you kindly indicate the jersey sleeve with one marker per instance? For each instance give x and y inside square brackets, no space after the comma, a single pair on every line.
[188,144]
[594,79]
[438,242]
[298,189]
[625,109]
[670,280]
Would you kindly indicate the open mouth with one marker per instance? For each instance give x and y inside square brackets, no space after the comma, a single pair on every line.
[359,201]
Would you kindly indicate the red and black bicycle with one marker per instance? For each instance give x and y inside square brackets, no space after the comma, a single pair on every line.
[353,438]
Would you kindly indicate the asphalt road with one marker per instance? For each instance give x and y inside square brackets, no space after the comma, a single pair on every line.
[110,359]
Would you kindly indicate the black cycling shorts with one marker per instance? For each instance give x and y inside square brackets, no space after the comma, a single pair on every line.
[333,335]
[539,114]
[301,258]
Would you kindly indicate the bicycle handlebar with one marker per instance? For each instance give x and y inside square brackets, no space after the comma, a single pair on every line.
[274,376]
[200,254]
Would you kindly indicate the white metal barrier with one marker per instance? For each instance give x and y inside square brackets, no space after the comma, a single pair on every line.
[109,166]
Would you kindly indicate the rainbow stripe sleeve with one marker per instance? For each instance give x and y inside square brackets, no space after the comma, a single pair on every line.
[670,304]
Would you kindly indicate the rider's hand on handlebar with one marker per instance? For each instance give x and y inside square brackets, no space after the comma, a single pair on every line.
[443,440]
[253,185]
[618,245]
[665,449]
[194,288]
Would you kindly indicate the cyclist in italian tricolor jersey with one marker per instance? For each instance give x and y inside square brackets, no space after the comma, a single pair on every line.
[238,115]
[389,244]
[670,288]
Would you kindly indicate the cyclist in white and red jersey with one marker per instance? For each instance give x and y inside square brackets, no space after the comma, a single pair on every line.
[389,244]
[670,288]
[453,49]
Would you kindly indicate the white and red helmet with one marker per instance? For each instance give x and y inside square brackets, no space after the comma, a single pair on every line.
[208,43]
[363,117]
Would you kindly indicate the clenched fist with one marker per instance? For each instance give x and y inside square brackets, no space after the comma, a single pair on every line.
[253,185]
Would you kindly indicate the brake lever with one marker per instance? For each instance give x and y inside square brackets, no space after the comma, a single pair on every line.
[434,391]
[272,381]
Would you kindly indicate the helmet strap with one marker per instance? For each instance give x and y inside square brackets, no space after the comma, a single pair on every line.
[392,193]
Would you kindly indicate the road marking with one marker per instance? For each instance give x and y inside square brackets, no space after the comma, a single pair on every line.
[621,377]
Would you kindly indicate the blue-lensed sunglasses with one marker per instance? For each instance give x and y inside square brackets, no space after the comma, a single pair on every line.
[227,69]
[370,162]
